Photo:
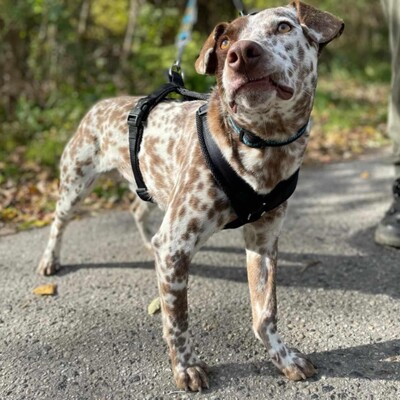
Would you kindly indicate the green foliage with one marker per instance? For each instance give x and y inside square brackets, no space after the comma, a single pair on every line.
[57,61]
[59,57]
[43,130]
[111,16]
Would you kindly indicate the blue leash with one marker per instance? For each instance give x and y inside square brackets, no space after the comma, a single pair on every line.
[181,41]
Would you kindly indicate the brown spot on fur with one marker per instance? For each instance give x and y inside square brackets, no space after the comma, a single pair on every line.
[76,201]
[185,237]
[170,146]
[194,174]
[212,193]
[182,211]
[78,171]
[124,152]
[194,203]
[300,53]
[220,205]
[211,214]
[193,226]
[289,47]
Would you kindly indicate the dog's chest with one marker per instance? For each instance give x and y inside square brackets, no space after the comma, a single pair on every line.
[170,154]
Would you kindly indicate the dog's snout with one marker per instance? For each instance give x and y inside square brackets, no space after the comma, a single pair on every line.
[244,53]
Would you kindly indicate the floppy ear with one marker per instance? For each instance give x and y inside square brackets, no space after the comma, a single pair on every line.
[207,60]
[321,27]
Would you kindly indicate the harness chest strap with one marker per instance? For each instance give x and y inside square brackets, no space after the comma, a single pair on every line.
[248,205]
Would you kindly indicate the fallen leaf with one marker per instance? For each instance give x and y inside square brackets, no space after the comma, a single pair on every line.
[8,214]
[364,175]
[49,289]
[154,307]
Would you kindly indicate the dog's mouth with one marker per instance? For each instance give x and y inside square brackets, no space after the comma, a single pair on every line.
[266,83]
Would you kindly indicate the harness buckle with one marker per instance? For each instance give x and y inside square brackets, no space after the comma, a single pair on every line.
[202,110]
[132,118]
[135,116]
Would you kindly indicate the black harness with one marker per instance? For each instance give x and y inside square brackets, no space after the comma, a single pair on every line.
[138,117]
[248,205]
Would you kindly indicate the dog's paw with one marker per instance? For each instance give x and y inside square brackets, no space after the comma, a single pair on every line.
[147,245]
[300,367]
[48,266]
[193,378]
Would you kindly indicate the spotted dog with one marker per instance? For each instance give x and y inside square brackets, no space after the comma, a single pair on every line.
[266,72]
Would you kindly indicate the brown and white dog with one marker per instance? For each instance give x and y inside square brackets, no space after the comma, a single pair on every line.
[266,71]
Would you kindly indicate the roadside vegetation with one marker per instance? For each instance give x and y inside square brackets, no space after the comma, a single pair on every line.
[58,58]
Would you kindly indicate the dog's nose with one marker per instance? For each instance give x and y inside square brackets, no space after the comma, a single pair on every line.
[244,53]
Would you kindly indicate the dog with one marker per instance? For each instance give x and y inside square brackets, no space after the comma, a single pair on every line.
[265,66]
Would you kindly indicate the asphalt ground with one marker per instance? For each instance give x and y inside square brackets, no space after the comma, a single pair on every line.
[338,301]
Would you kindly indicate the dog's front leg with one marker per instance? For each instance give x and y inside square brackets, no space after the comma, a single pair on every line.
[261,240]
[174,246]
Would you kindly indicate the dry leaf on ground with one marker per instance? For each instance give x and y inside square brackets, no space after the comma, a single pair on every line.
[154,307]
[49,289]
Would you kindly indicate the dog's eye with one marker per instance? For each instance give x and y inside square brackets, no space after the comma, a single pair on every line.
[225,44]
[284,27]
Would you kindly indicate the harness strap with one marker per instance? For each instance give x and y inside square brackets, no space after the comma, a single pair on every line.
[136,119]
[248,205]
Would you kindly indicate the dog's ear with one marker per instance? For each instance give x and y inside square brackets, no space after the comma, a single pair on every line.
[206,63]
[321,27]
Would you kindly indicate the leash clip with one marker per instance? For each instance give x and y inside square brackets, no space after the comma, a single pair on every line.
[175,74]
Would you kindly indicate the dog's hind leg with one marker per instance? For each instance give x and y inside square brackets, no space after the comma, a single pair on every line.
[77,175]
[261,240]
[141,211]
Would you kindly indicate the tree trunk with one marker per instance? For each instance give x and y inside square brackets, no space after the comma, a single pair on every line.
[83,17]
[134,9]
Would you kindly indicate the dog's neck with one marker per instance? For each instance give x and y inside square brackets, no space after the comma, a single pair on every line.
[250,139]
[261,168]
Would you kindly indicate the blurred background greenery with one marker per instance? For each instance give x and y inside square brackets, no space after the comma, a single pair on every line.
[58,57]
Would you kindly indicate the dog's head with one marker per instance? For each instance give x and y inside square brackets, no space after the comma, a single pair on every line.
[267,62]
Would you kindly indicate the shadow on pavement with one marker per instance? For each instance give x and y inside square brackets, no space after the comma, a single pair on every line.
[71,268]
[375,362]
[374,270]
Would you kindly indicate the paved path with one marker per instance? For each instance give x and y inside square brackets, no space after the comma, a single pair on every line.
[338,299]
